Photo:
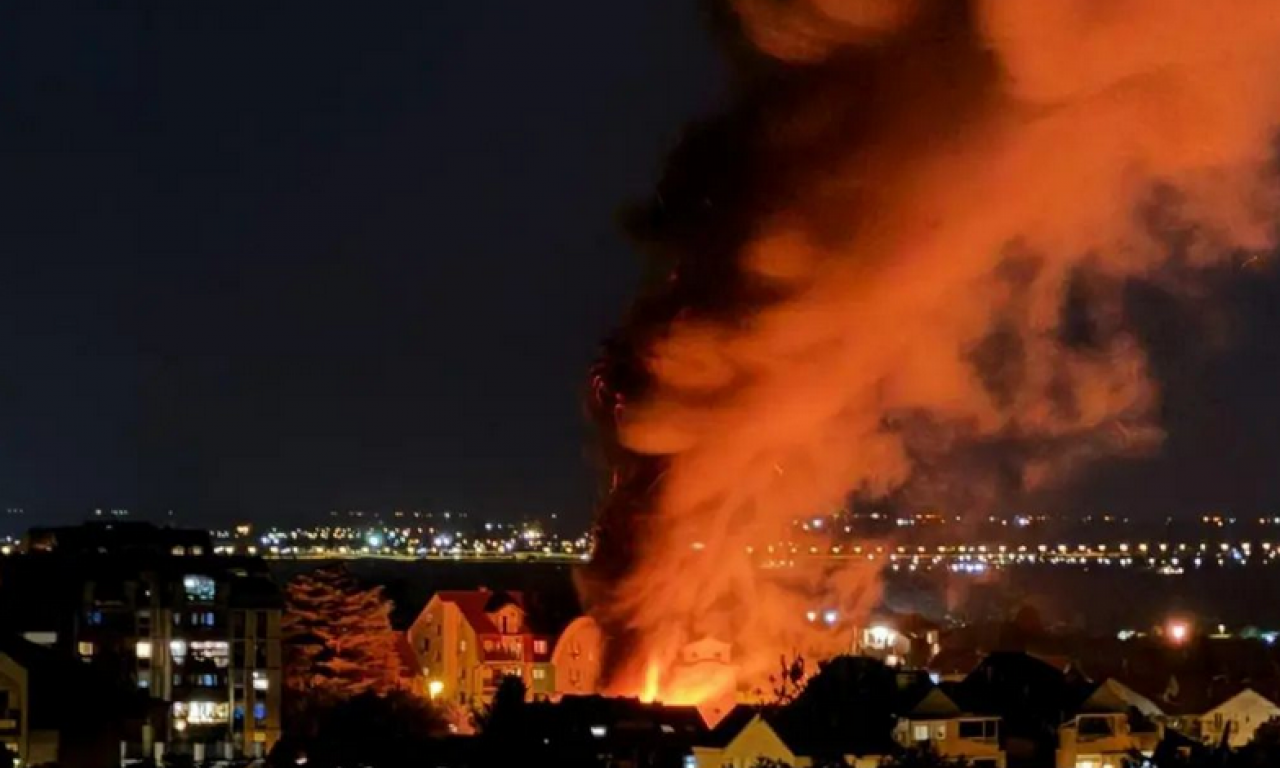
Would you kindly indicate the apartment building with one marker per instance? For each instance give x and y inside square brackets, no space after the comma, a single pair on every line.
[467,641]
[153,607]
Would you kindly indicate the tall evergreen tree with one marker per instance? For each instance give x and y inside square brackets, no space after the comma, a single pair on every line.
[338,637]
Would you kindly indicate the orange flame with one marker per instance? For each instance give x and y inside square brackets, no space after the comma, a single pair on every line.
[926,203]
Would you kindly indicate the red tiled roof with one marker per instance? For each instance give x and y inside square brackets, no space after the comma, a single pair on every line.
[476,604]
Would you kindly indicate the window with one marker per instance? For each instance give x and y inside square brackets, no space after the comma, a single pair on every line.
[920,733]
[215,651]
[539,673]
[197,550]
[178,551]
[237,623]
[982,730]
[260,681]
[95,618]
[199,589]
[85,649]
[144,649]
[202,712]
[209,618]
[940,732]
[462,646]
[178,649]
[259,713]
[1095,727]
[144,680]
[260,624]
[540,646]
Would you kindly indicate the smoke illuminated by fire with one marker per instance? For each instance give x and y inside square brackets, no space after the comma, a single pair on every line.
[907,243]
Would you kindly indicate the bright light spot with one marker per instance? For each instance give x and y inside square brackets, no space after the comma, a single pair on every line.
[375,540]
[599,731]
[1178,631]
[435,688]
[812,616]
[698,546]
[882,635]
[830,617]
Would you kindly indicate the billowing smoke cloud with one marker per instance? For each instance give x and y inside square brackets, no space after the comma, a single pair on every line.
[905,245]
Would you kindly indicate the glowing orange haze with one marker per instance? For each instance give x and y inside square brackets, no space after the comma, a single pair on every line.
[893,263]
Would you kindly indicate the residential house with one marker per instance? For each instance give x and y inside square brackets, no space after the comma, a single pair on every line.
[1210,709]
[936,721]
[1106,728]
[154,608]
[1241,712]
[576,658]
[908,639]
[748,735]
[467,641]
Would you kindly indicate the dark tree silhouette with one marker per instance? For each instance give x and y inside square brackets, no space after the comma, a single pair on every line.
[379,731]
[789,680]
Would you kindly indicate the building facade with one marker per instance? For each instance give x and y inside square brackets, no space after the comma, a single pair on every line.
[156,609]
[467,641]
[937,722]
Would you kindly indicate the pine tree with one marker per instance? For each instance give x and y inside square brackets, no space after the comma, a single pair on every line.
[338,637]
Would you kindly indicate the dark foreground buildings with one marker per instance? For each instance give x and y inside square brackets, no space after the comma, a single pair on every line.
[194,637]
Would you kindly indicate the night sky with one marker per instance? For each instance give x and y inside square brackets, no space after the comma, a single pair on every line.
[267,259]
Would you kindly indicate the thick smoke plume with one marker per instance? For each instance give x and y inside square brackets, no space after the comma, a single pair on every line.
[906,243]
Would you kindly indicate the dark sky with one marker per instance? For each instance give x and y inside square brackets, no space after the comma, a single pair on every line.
[272,258]
[267,259]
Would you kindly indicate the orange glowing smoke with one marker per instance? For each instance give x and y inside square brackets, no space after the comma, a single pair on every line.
[932,194]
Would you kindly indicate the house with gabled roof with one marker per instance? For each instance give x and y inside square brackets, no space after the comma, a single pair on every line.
[1106,727]
[749,735]
[937,721]
[467,641]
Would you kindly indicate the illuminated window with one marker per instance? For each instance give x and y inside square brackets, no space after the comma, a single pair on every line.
[259,713]
[216,651]
[539,673]
[85,649]
[260,681]
[462,646]
[920,732]
[144,649]
[178,649]
[202,712]
[539,646]
[178,551]
[199,589]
